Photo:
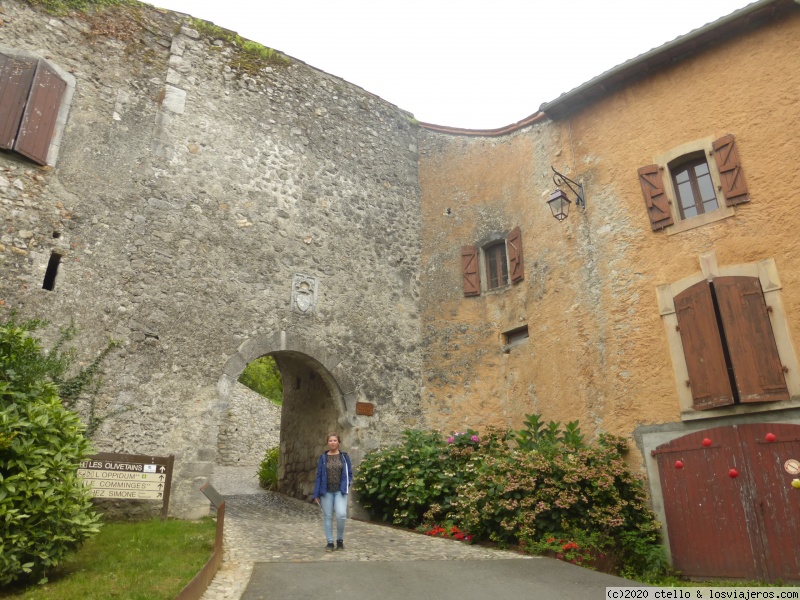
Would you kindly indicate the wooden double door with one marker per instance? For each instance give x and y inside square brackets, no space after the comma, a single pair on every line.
[742,527]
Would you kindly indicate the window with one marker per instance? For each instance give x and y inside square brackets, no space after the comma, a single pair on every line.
[514,337]
[496,265]
[500,260]
[52,270]
[729,341]
[694,188]
[694,184]
[34,100]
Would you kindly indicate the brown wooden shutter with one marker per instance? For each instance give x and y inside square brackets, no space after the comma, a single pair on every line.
[515,255]
[469,269]
[751,344]
[702,346]
[16,76]
[731,177]
[654,197]
[41,112]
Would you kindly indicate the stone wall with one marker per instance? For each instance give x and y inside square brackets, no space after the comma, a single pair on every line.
[186,197]
[249,427]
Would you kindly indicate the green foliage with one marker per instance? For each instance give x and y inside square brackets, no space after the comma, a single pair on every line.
[540,436]
[400,483]
[251,56]
[545,484]
[526,496]
[587,549]
[45,510]
[84,383]
[262,376]
[417,480]
[60,7]
[268,470]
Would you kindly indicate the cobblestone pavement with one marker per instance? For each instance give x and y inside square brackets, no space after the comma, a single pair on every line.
[262,526]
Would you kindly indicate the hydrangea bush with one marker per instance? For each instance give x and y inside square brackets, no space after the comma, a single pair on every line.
[519,488]
[400,484]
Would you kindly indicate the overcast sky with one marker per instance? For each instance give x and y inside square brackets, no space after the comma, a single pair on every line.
[464,63]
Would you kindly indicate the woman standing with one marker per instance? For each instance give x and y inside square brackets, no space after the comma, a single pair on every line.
[334,476]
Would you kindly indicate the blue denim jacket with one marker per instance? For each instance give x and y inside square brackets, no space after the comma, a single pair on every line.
[321,481]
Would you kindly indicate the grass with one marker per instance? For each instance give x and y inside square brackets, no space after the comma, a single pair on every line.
[61,7]
[150,560]
[673,581]
[251,56]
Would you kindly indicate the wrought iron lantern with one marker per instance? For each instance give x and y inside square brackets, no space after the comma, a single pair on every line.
[559,202]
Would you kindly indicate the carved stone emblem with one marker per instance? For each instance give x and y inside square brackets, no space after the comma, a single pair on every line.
[304,293]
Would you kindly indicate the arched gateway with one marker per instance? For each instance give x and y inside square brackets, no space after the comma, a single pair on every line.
[316,396]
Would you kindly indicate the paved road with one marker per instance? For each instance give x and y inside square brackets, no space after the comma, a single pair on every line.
[274,549]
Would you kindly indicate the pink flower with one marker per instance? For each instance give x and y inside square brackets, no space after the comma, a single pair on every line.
[450,440]
[475,438]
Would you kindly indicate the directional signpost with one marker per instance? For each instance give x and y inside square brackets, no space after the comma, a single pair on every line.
[129,477]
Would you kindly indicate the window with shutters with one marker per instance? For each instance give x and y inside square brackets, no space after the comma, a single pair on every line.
[729,342]
[34,101]
[492,264]
[694,184]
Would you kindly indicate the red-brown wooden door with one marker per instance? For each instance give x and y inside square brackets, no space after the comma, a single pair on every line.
[777,502]
[745,527]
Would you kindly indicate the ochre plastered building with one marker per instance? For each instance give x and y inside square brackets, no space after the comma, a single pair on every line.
[598,349]
[617,321]
[406,276]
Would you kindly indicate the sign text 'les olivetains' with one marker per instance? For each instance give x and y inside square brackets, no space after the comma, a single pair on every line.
[127,476]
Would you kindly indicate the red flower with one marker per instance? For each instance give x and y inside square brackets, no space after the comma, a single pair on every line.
[551,540]
[560,556]
[570,546]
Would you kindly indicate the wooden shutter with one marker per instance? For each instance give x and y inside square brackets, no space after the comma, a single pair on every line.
[702,346]
[469,269]
[654,197]
[748,332]
[731,177]
[41,112]
[515,255]
[16,76]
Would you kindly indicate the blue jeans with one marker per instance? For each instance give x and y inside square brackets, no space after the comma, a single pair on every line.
[329,502]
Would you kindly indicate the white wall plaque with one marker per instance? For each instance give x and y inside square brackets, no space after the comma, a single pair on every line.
[304,293]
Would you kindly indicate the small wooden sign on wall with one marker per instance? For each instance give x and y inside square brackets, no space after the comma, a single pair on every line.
[364,408]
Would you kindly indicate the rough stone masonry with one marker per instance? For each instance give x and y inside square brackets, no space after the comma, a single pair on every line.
[187,195]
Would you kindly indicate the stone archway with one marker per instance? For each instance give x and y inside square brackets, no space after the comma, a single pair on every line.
[316,395]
